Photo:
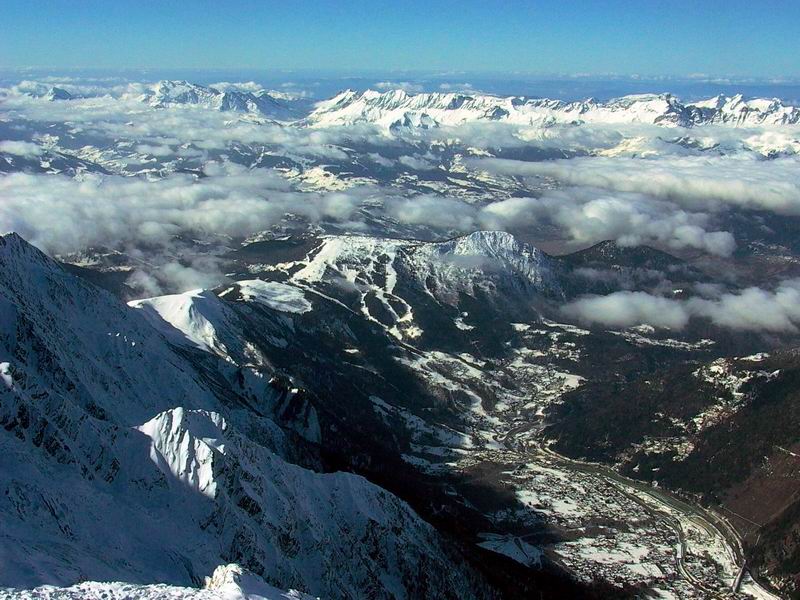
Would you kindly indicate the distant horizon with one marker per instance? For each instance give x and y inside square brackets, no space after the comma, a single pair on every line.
[55,70]
[320,83]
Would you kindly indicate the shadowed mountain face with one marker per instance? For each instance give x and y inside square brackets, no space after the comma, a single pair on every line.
[203,470]
[609,254]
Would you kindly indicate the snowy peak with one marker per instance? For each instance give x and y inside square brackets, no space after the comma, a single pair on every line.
[397,108]
[392,282]
[495,244]
[228,582]
[184,444]
[189,318]
[232,581]
[759,111]
[13,244]
[486,250]
[477,255]
[168,93]
[52,93]
[716,102]
[57,93]
[483,261]
[210,322]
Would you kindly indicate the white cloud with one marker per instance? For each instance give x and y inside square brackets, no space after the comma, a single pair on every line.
[754,309]
[62,215]
[160,150]
[17,148]
[406,86]
[751,309]
[417,163]
[712,182]
[457,87]
[623,309]
[590,215]
[380,160]
[241,86]
[434,211]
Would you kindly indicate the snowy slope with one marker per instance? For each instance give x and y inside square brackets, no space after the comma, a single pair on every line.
[123,458]
[191,317]
[389,279]
[65,336]
[278,296]
[228,582]
[167,93]
[398,108]
[480,260]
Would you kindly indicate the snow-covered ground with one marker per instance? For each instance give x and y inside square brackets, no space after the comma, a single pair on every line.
[228,582]
[126,455]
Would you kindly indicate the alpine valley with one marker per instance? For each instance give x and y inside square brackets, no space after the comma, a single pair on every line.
[396,344]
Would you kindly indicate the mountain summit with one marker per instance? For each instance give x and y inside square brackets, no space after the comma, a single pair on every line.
[173,93]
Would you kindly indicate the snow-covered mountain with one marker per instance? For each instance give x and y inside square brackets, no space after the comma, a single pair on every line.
[46,91]
[735,110]
[463,264]
[389,280]
[127,456]
[398,108]
[168,93]
[57,93]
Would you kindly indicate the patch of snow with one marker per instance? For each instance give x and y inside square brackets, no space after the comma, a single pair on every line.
[190,316]
[513,547]
[279,296]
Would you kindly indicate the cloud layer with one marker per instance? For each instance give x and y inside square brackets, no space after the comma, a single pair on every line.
[708,182]
[637,184]
[62,214]
[752,309]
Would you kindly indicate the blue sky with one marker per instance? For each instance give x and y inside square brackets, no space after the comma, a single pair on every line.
[678,37]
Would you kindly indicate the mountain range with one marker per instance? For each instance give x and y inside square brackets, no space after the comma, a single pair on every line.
[396,108]
[173,93]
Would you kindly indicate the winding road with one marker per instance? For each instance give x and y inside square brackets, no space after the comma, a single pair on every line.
[663,506]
